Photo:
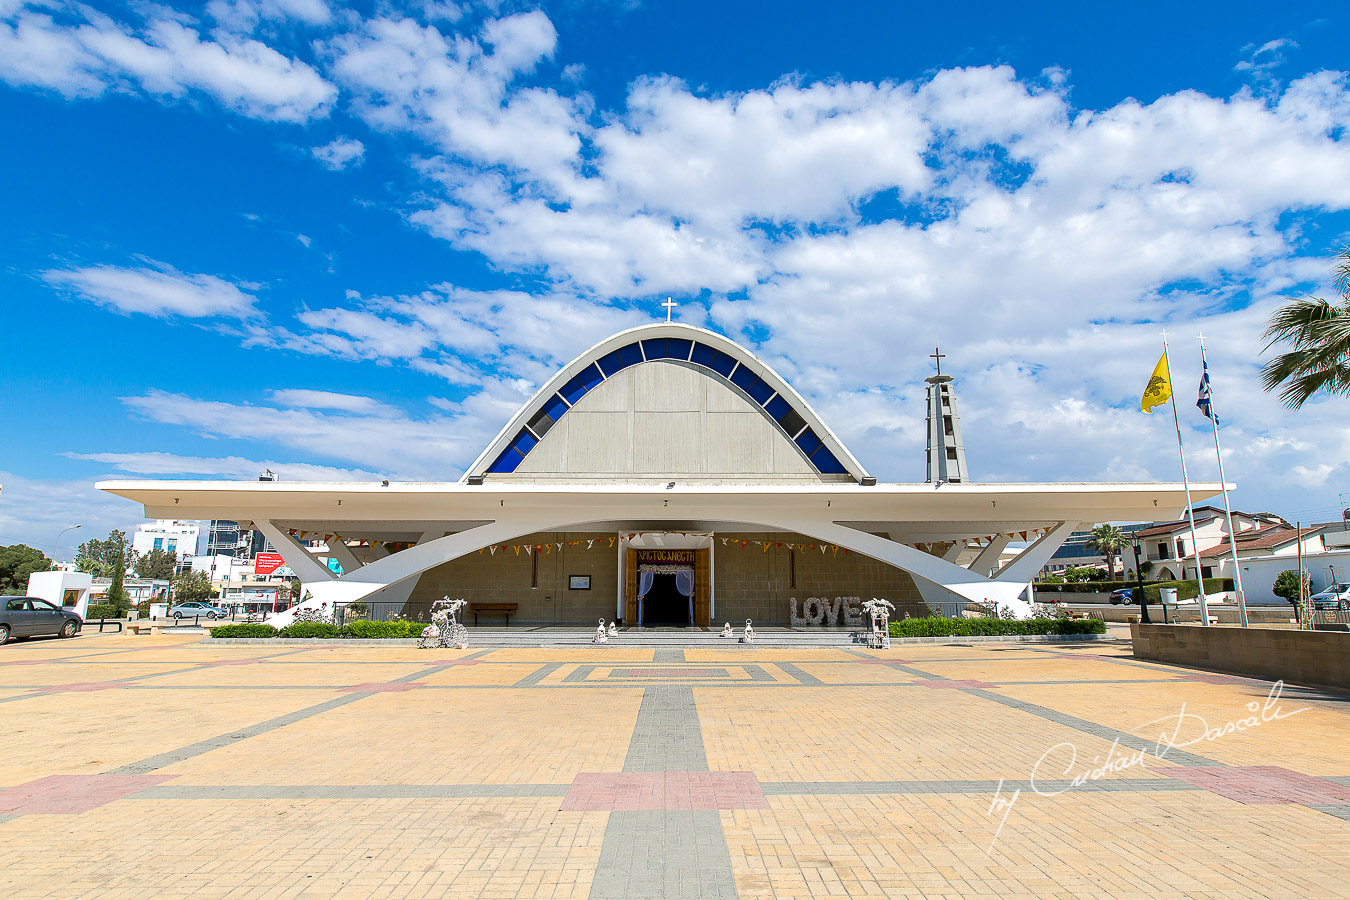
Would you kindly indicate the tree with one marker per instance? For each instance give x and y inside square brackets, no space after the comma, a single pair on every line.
[295,589]
[17,562]
[1108,540]
[1318,334]
[100,558]
[1286,586]
[192,586]
[156,564]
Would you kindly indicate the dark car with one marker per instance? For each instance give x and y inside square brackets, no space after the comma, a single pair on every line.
[1122,595]
[24,617]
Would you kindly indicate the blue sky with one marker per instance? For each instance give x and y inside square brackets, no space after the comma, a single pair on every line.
[349,241]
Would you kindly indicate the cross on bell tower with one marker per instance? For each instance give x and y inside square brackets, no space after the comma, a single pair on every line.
[946,452]
[670,307]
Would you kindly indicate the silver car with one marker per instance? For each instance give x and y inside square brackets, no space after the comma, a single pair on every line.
[1337,596]
[25,617]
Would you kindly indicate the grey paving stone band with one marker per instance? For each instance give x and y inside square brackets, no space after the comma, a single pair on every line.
[667,736]
[538,675]
[663,656]
[1181,757]
[161,760]
[797,673]
[664,854]
[651,854]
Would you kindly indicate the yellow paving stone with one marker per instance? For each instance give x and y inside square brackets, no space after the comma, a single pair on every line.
[92,732]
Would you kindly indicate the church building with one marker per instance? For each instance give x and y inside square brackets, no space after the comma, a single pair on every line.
[668,476]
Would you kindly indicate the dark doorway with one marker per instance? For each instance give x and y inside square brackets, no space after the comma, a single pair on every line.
[664,604]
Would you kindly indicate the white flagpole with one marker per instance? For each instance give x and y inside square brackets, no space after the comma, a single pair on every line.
[1227,508]
[1186,480]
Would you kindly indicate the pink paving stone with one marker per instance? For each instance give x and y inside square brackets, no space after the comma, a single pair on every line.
[232,662]
[954,683]
[634,791]
[25,662]
[454,662]
[881,662]
[383,687]
[72,794]
[1261,784]
[78,687]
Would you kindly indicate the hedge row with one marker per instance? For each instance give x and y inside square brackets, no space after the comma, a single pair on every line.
[361,628]
[101,611]
[942,627]
[1212,586]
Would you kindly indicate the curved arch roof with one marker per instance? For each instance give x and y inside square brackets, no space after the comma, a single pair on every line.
[714,355]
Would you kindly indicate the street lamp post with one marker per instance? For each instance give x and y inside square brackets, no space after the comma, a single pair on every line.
[1139,578]
[57,545]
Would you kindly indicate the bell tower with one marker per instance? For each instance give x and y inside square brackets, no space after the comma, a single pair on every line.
[946,450]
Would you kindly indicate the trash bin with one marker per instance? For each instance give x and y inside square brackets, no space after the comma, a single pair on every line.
[1168,596]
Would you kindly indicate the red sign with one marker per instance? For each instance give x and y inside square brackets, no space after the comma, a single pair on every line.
[267,563]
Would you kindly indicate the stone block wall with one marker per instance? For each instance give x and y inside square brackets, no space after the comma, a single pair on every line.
[504,577]
[1309,657]
[753,583]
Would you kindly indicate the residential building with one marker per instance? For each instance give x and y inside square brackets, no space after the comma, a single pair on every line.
[1167,544]
[181,538]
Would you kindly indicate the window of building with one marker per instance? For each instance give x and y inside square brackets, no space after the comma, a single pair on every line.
[159,543]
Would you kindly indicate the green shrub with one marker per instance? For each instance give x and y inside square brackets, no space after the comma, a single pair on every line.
[101,611]
[942,627]
[375,628]
[309,630]
[244,630]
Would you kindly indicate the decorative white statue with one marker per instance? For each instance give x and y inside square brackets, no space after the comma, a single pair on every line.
[879,611]
[601,636]
[726,630]
[613,629]
[748,636]
[445,630]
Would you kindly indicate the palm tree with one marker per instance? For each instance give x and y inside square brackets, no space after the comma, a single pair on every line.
[1108,540]
[1319,334]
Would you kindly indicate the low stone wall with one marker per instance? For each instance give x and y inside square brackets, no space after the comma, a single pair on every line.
[1306,657]
[1190,612]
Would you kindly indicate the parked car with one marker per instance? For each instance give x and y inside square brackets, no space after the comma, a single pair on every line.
[1122,595]
[194,608]
[25,617]
[1335,597]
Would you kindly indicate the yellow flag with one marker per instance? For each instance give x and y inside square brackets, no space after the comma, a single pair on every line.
[1159,389]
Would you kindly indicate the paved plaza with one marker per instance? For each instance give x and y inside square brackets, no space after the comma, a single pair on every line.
[168,766]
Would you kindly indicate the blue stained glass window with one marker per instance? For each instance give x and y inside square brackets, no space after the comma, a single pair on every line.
[758,389]
[582,382]
[809,442]
[622,358]
[716,360]
[826,462]
[778,408]
[666,348]
[507,462]
[524,442]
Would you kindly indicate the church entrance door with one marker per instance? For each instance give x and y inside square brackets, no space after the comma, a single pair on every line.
[663,604]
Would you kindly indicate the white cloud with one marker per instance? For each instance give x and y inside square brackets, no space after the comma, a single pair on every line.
[341,153]
[35,511]
[228,467]
[157,290]
[353,403]
[244,15]
[385,441]
[85,53]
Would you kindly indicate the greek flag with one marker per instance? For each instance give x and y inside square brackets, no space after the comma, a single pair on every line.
[1204,400]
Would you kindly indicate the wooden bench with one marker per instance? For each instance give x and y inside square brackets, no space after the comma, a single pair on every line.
[155,628]
[505,609]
